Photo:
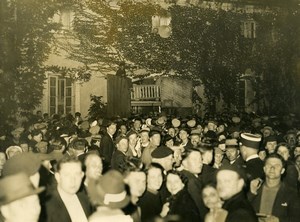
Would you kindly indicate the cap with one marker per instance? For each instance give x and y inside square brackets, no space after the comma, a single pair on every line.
[161,152]
[250,140]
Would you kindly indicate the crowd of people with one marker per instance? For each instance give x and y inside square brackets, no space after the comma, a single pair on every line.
[228,167]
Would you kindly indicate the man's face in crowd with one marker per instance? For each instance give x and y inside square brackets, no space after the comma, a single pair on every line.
[183,135]
[270,146]
[155,139]
[132,139]
[228,184]
[137,183]
[94,167]
[273,168]
[144,137]
[123,145]
[291,139]
[232,153]
[174,183]
[137,125]
[154,179]
[171,132]
[111,129]
[284,152]
[195,140]
[193,163]
[123,129]
[69,177]
[297,151]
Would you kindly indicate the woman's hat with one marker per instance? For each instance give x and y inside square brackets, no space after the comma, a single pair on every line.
[15,187]
[109,190]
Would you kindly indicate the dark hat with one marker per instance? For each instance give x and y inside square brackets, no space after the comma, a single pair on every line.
[28,163]
[79,144]
[271,138]
[250,140]
[119,138]
[232,167]
[15,187]
[231,143]
[161,152]
[109,190]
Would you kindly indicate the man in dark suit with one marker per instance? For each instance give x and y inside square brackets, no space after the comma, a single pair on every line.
[233,153]
[64,204]
[230,183]
[274,200]
[118,160]
[249,148]
[107,146]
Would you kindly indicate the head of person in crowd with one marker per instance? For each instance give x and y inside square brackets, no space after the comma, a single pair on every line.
[78,146]
[177,155]
[172,131]
[211,197]
[144,136]
[154,177]
[57,144]
[2,161]
[195,137]
[122,144]
[111,127]
[230,181]
[135,178]
[297,162]
[69,174]
[42,147]
[123,129]
[132,138]
[93,167]
[218,157]
[109,191]
[232,149]
[192,161]
[270,144]
[12,151]
[184,135]
[283,150]
[163,156]
[175,182]
[274,167]
[168,141]
[19,198]
[28,163]
[24,145]
[16,133]
[249,144]
[155,137]
[296,151]
[290,138]
[137,124]
[206,150]
[267,131]
[36,135]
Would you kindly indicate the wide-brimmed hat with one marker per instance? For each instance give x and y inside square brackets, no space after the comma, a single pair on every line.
[15,187]
[109,190]
[267,128]
[28,163]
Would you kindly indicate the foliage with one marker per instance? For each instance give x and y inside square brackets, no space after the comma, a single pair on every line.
[26,33]
[97,108]
[205,45]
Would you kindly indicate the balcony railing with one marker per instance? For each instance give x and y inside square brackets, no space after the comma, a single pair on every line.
[145,93]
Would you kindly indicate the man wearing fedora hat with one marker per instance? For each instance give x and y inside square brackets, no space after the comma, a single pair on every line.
[18,199]
[109,195]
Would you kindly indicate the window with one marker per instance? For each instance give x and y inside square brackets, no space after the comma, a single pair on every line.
[249,29]
[60,95]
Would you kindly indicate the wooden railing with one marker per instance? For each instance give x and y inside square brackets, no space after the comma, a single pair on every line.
[145,93]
